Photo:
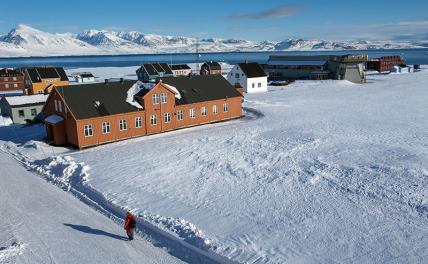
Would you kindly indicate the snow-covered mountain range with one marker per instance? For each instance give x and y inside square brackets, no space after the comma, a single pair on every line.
[27,41]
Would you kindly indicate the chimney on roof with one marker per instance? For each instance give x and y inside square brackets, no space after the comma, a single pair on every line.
[121,80]
[105,81]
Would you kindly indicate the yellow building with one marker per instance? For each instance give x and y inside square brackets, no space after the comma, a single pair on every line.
[40,80]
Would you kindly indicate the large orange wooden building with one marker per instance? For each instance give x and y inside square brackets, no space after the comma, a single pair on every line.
[41,80]
[93,114]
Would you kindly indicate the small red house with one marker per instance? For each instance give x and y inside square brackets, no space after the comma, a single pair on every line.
[210,68]
[92,114]
[11,79]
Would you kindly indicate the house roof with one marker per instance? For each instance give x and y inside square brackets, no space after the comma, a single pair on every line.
[156,68]
[26,100]
[213,65]
[252,70]
[81,99]
[201,88]
[38,73]
[179,67]
[5,72]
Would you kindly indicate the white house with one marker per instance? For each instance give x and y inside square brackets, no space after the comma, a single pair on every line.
[84,77]
[180,69]
[249,76]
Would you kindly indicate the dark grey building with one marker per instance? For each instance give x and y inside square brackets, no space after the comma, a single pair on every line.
[22,108]
[150,72]
[318,67]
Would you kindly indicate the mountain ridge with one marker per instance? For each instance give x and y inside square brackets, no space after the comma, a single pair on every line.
[25,40]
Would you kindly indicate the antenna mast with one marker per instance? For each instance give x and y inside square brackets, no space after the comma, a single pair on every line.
[197,55]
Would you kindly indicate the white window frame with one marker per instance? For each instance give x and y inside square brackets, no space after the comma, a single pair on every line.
[163,98]
[6,85]
[167,118]
[138,122]
[204,111]
[33,110]
[6,79]
[259,85]
[106,127]
[215,109]
[192,113]
[253,85]
[123,125]
[153,120]
[23,113]
[155,99]
[225,107]
[180,115]
[14,78]
[88,131]
[15,85]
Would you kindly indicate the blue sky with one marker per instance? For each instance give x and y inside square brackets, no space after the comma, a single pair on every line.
[252,20]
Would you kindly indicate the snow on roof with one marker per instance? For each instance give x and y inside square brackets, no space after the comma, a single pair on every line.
[54,119]
[28,99]
[297,63]
[136,88]
[175,90]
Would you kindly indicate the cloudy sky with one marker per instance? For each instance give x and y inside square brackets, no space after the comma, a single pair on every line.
[246,19]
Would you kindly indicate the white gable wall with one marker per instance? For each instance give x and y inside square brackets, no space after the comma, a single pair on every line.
[256,85]
[236,75]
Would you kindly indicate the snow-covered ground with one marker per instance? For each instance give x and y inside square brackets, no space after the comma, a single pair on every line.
[317,172]
[40,223]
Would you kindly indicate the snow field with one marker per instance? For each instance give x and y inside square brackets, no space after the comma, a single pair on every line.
[317,172]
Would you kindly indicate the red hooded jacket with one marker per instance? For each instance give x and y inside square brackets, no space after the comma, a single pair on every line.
[129,222]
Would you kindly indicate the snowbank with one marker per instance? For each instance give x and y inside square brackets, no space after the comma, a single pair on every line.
[176,92]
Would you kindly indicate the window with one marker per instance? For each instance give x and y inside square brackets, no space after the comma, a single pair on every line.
[192,113]
[167,117]
[106,127]
[21,113]
[236,75]
[153,120]
[163,98]
[40,92]
[203,110]
[253,85]
[259,85]
[59,106]
[14,78]
[88,130]
[138,122]
[33,112]
[225,107]
[155,99]
[6,85]
[6,79]
[215,111]
[15,85]
[122,124]
[180,115]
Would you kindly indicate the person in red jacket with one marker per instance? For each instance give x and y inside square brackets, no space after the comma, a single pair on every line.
[130,225]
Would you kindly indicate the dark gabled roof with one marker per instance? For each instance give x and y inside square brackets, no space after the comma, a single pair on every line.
[150,69]
[81,99]
[62,74]
[47,73]
[34,75]
[38,73]
[158,68]
[201,88]
[5,72]
[179,67]
[252,70]
[86,75]
[213,65]
[166,68]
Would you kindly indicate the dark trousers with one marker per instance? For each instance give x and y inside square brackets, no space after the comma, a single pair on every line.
[130,234]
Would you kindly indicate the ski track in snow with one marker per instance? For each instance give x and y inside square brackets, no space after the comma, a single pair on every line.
[317,172]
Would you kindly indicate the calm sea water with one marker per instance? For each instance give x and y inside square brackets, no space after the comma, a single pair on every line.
[412,56]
